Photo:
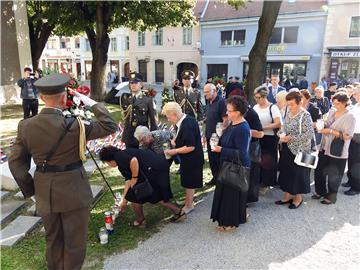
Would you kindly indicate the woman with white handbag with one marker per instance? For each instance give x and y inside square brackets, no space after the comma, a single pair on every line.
[294,179]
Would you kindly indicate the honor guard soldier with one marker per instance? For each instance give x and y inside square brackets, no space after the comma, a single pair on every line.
[60,183]
[138,110]
[189,98]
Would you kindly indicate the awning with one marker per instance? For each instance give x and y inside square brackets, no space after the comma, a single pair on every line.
[282,58]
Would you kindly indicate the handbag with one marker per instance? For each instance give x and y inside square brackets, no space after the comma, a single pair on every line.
[143,189]
[304,159]
[234,175]
[337,145]
[255,151]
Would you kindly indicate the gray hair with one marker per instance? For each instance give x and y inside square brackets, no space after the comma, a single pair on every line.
[141,132]
[172,108]
[281,96]
[211,85]
[262,90]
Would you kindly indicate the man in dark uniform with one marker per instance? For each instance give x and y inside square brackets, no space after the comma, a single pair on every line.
[60,185]
[138,110]
[189,98]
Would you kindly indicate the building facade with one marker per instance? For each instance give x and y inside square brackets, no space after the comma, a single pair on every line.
[73,55]
[341,52]
[295,49]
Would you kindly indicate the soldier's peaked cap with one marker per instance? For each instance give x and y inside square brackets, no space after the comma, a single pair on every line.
[52,84]
[135,77]
[187,74]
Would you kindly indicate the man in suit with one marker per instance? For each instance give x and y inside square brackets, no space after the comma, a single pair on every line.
[274,88]
[60,185]
[189,98]
[138,110]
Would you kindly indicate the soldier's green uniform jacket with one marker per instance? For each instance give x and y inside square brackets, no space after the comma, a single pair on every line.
[55,191]
[190,102]
[138,112]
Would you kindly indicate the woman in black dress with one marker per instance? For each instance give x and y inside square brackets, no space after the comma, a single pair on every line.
[187,145]
[136,165]
[229,204]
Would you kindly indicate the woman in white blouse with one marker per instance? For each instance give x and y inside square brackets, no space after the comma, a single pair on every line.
[270,118]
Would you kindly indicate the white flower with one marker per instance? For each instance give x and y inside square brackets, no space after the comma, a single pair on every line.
[87,114]
[76,112]
[82,114]
[76,101]
[66,113]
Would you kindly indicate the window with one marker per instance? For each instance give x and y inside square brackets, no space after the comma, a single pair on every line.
[143,69]
[141,38]
[232,38]
[355,27]
[158,38]
[113,44]
[217,70]
[159,71]
[87,45]
[51,44]
[64,43]
[127,43]
[187,36]
[284,35]
[77,43]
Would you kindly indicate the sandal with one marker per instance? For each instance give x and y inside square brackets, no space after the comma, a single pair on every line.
[326,201]
[225,229]
[139,224]
[181,216]
[316,197]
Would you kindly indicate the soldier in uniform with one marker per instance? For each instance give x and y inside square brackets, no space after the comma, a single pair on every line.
[138,110]
[60,183]
[189,98]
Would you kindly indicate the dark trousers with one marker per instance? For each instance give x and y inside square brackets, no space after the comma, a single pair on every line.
[354,165]
[214,160]
[254,185]
[269,160]
[66,235]
[30,106]
[332,170]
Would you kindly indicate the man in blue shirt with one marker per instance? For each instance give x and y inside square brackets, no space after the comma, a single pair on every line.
[29,93]
[274,88]
[215,113]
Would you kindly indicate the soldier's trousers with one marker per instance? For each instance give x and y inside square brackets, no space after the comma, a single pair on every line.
[66,235]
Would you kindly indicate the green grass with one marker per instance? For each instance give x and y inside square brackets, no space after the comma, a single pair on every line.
[30,252]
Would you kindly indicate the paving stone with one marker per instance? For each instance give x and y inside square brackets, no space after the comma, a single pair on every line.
[19,195]
[7,180]
[96,190]
[17,229]
[4,194]
[9,207]
[32,209]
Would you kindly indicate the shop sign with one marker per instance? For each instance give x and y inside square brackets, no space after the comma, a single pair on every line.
[276,48]
[334,66]
[345,54]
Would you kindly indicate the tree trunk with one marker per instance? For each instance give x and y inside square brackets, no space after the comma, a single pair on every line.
[99,43]
[257,56]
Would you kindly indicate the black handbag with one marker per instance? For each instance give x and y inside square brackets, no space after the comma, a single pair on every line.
[143,189]
[234,175]
[255,151]
[337,145]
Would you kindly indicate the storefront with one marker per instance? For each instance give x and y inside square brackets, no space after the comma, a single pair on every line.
[344,64]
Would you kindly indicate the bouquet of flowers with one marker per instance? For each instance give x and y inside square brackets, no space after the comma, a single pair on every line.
[74,106]
[165,97]
[150,92]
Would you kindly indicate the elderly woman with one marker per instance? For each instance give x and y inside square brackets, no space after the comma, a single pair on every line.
[229,204]
[353,172]
[339,124]
[294,180]
[321,102]
[153,140]
[281,103]
[187,145]
[137,165]
[270,118]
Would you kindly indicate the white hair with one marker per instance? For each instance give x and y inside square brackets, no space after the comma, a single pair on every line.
[172,108]
[141,132]
[281,96]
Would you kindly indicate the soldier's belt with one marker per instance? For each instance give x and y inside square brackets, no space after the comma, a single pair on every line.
[54,168]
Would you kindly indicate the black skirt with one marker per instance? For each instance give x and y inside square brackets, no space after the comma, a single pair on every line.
[229,206]
[161,190]
[293,178]
[269,160]
[191,177]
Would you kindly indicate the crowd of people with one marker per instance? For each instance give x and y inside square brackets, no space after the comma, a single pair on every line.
[250,150]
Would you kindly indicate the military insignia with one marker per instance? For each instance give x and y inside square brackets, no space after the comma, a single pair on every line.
[186,73]
[132,76]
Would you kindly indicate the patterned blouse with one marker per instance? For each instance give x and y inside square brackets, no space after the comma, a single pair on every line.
[300,142]
[160,137]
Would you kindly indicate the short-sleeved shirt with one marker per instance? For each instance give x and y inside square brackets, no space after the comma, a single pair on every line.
[253,120]
[215,112]
[265,117]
